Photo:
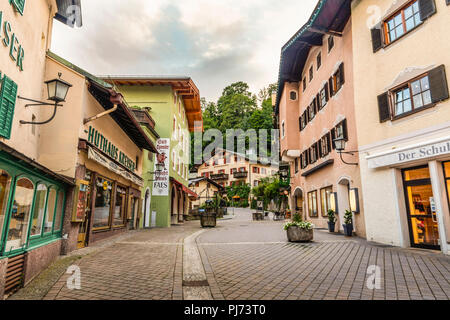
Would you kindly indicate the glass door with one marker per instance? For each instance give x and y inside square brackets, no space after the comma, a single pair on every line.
[423,226]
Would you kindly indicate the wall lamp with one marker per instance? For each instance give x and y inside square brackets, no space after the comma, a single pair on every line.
[340,147]
[159,169]
[57,91]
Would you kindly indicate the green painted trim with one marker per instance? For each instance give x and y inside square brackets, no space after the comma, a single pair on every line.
[43,242]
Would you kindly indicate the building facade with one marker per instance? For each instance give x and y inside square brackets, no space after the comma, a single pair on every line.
[228,168]
[33,198]
[401,75]
[316,106]
[205,189]
[174,104]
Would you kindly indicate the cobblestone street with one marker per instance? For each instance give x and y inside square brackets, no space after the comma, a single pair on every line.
[243,260]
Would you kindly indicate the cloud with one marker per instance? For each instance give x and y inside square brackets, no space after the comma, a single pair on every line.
[216,42]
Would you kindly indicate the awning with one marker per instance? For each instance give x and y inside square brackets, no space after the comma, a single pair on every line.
[184,188]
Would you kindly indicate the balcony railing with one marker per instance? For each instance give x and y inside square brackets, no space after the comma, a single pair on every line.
[220,176]
[240,175]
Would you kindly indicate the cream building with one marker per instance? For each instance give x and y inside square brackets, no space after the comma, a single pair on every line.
[401,67]
[228,168]
[205,188]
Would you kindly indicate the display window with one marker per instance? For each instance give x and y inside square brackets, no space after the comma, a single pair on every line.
[103,199]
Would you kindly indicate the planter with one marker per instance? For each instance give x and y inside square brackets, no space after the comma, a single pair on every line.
[331,226]
[348,229]
[208,220]
[297,234]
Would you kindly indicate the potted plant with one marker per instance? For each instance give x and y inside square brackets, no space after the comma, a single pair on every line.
[331,220]
[348,223]
[298,230]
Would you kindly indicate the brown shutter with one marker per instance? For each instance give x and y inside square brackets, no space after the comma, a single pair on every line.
[426,8]
[308,114]
[341,73]
[318,105]
[326,93]
[383,107]
[319,146]
[333,136]
[330,84]
[377,40]
[345,129]
[438,84]
[317,150]
[328,143]
[300,123]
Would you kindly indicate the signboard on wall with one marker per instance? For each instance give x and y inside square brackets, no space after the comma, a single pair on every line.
[161,183]
[419,152]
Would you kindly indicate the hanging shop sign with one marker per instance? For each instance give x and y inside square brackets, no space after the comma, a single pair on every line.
[111,165]
[427,150]
[161,183]
[9,40]
[101,142]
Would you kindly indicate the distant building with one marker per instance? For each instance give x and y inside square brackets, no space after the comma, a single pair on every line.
[205,188]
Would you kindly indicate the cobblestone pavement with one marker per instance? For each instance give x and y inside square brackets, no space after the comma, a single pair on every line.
[252,260]
[243,259]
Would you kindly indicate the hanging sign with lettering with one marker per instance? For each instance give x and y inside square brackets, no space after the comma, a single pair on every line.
[161,183]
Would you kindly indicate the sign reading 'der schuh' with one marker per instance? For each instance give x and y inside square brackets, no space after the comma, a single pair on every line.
[430,150]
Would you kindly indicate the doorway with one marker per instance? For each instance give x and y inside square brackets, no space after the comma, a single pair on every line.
[146,223]
[298,203]
[422,219]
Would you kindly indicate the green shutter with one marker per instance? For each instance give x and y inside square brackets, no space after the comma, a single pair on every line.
[7,103]
[19,5]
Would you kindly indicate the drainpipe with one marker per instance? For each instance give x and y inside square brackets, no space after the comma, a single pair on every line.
[115,98]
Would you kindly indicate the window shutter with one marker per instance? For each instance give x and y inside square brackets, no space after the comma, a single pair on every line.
[330,84]
[438,84]
[317,150]
[377,40]
[319,146]
[333,136]
[341,73]
[308,114]
[300,123]
[19,5]
[328,143]
[317,103]
[7,104]
[326,93]
[383,107]
[345,129]
[426,8]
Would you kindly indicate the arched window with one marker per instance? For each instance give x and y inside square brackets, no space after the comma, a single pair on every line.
[5,185]
[39,209]
[20,214]
[50,215]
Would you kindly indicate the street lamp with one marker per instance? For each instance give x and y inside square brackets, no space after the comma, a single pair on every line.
[57,90]
[339,144]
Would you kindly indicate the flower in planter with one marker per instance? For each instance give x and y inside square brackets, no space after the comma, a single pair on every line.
[331,216]
[348,217]
[302,224]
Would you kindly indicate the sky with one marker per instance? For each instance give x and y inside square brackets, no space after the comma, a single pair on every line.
[215,42]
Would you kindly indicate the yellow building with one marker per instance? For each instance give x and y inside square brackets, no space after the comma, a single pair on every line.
[205,189]
[401,73]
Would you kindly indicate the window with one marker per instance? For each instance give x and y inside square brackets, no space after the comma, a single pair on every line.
[235,159]
[102,203]
[263,170]
[304,159]
[311,111]
[319,60]
[8,96]
[330,43]
[402,22]
[296,165]
[120,208]
[59,212]
[325,200]
[38,212]
[20,214]
[255,170]
[311,74]
[293,95]
[312,204]
[325,145]
[415,95]
[304,84]
[5,185]
[303,120]
[323,97]
[242,169]
[50,215]
[337,80]
[313,153]
[282,130]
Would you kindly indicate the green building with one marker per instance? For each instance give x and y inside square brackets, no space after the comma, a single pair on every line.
[173,104]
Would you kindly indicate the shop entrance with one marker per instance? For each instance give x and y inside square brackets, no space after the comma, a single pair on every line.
[422,220]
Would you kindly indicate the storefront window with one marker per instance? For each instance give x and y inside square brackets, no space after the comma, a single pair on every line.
[325,200]
[102,203]
[20,213]
[5,184]
[59,212]
[312,204]
[447,178]
[119,210]
[49,217]
[417,174]
[39,207]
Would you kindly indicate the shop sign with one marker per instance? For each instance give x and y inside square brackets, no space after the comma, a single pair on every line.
[161,183]
[111,165]
[424,151]
[9,40]
[98,140]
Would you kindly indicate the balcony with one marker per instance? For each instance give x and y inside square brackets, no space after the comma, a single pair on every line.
[240,175]
[220,176]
